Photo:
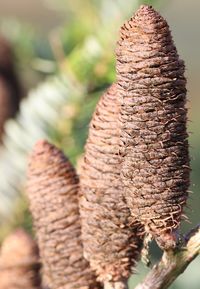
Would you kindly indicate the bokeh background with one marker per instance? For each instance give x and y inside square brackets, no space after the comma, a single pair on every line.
[62,54]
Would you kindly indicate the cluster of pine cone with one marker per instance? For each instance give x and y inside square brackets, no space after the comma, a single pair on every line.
[134,175]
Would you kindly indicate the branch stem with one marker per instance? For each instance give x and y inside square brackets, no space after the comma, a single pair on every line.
[173,263]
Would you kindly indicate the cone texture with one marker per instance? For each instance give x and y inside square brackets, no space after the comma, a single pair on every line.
[52,190]
[19,262]
[109,244]
[154,144]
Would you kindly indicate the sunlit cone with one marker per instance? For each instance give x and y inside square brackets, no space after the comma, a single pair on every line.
[52,191]
[19,262]
[153,116]
[111,246]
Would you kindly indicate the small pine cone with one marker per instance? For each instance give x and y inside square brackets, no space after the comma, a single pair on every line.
[19,262]
[153,116]
[111,246]
[52,191]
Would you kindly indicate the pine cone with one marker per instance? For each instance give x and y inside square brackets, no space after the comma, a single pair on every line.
[111,246]
[52,190]
[10,87]
[6,55]
[6,106]
[19,262]
[153,116]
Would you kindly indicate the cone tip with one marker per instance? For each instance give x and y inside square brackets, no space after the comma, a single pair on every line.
[146,11]
[41,146]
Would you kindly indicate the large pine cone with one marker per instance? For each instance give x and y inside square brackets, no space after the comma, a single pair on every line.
[110,244]
[153,116]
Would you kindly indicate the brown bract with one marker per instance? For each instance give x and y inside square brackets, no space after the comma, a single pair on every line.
[19,262]
[111,246]
[52,191]
[154,145]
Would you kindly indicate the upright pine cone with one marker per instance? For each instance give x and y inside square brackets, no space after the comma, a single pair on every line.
[19,262]
[153,116]
[110,245]
[52,191]
[10,89]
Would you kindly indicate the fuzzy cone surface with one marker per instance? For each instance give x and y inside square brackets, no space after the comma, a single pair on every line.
[52,191]
[10,88]
[111,246]
[154,145]
[19,262]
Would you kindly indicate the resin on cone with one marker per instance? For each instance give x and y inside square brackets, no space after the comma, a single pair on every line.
[154,145]
[19,262]
[111,246]
[52,190]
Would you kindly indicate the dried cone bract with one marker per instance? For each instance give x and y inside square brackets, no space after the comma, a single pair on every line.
[52,190]
[154,144]
[109,244]
[19,262]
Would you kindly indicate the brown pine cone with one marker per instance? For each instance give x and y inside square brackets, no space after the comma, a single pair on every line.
[52,191]
[19,262]
[153,116]
[6,55]
[10,87]
[6,106]
[111,246]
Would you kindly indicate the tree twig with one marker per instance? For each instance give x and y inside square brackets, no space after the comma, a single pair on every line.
[173,263]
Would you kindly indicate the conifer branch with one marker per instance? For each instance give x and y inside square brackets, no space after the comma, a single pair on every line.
[173,263]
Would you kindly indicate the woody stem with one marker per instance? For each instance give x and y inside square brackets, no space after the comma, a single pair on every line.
[173,263]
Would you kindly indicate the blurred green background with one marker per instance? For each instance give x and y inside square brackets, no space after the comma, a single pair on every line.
[64,58]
